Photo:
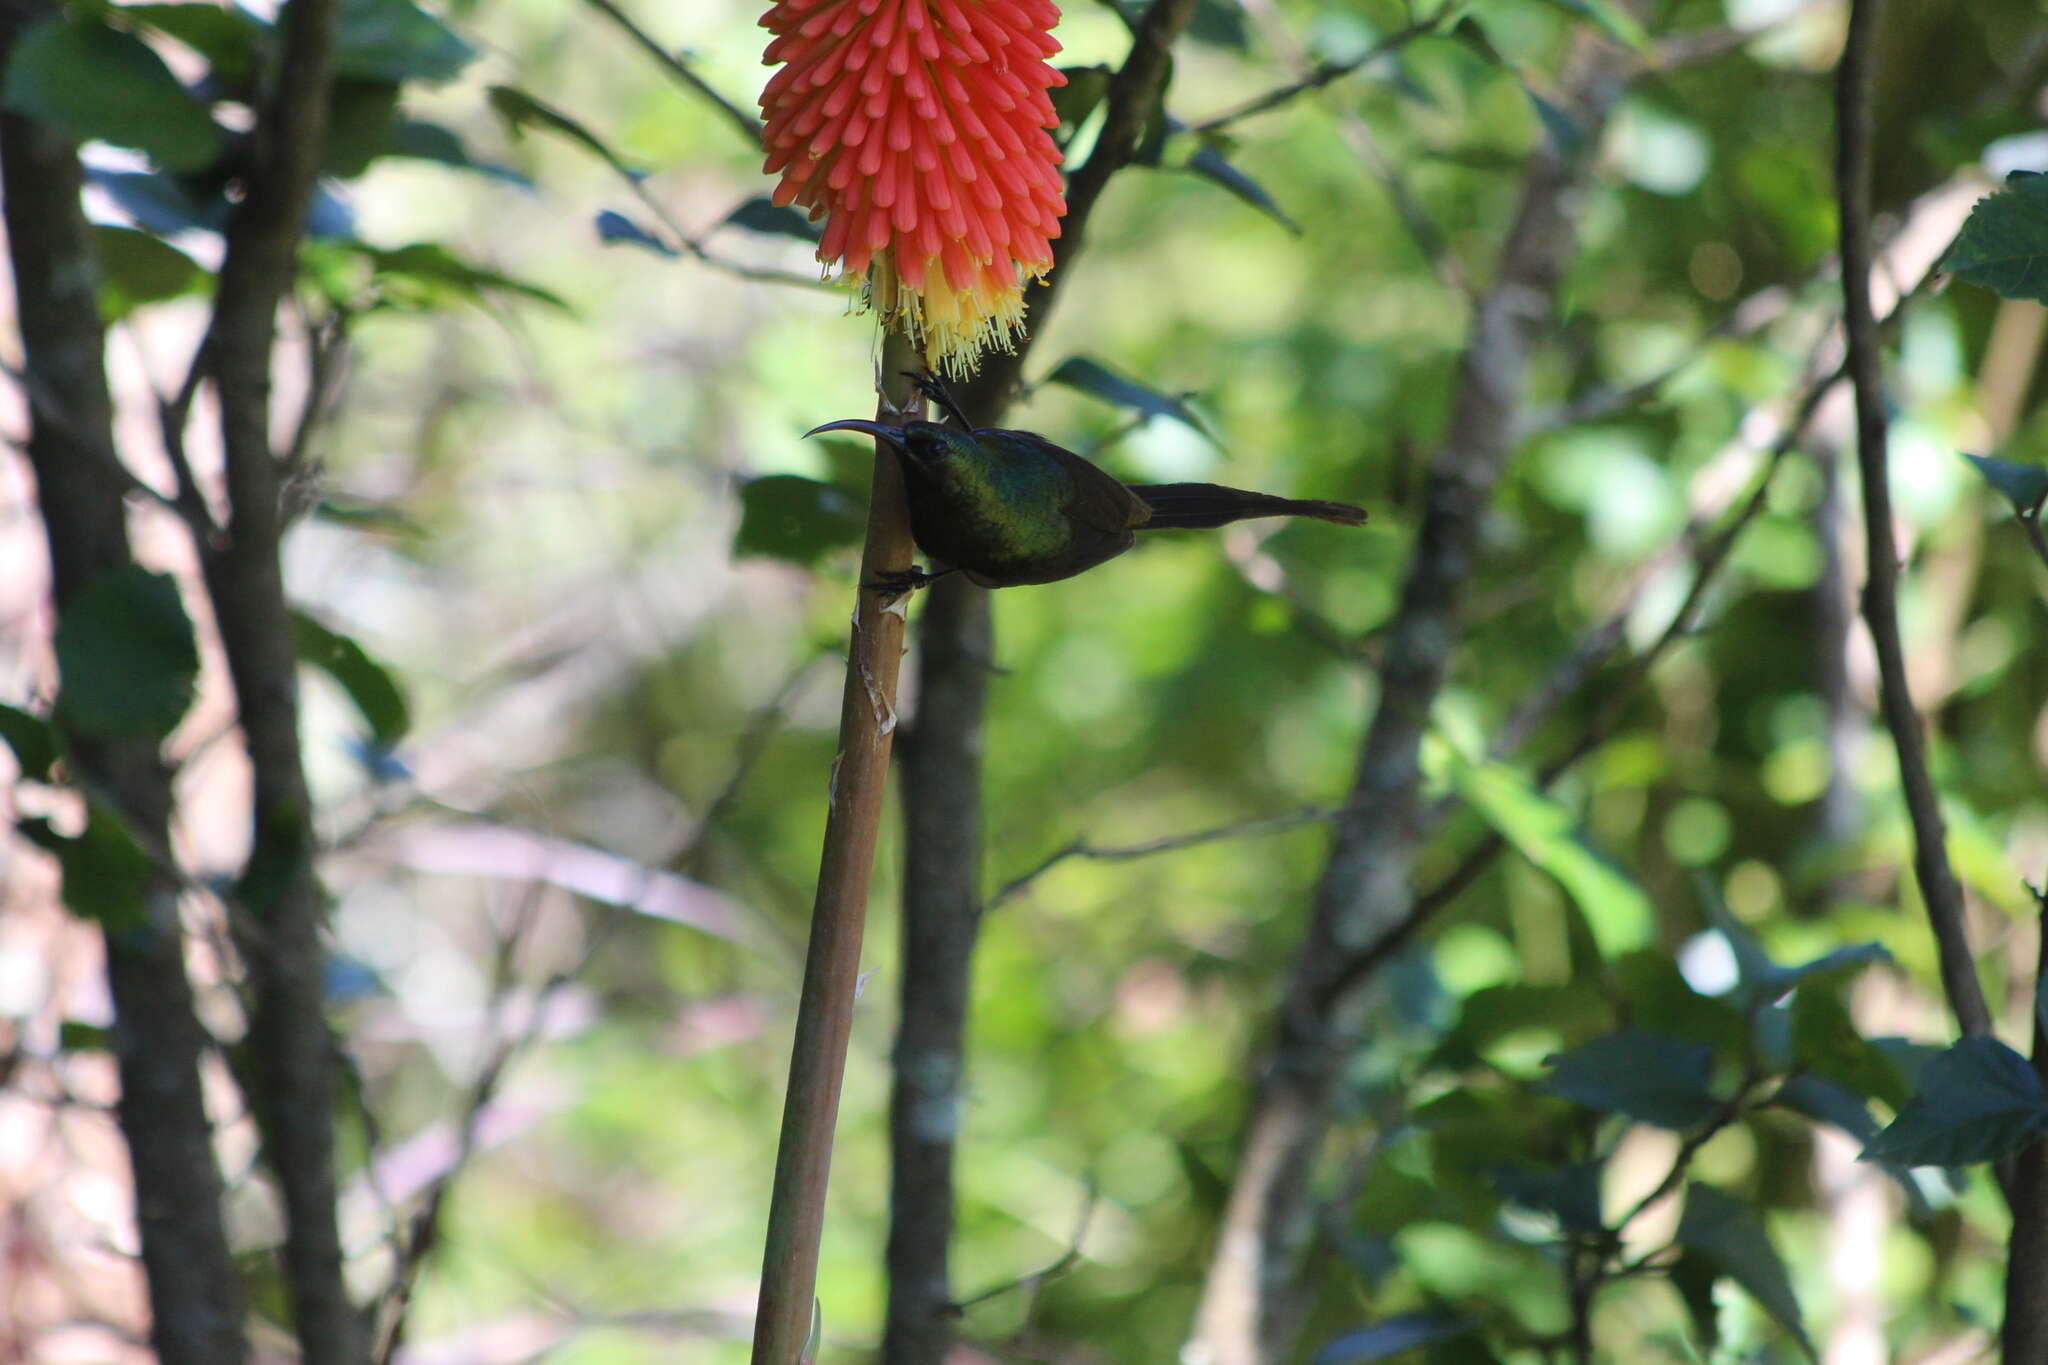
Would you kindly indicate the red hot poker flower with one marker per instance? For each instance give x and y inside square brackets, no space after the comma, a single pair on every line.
[918,129]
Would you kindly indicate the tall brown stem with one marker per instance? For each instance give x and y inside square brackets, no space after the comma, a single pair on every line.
[867,728]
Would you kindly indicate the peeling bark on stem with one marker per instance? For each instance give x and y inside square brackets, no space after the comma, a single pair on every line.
[867,726]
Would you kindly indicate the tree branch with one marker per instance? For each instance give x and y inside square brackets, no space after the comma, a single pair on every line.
[1938,886]
[292,1071]
[195,1294]
[677,67]
[1364,891]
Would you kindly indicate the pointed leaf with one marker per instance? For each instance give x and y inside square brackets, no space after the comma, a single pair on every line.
[230,38]
[1208,162]
[522,111]
[138,268]
[1545,833]
[1978,1101]
[159,203]
[1730,1235]
[1571,1194]
[94,83]
[2025,485]
[1074,101]
[369,684]
[126,655]
[1618,22]
[1565,133]
[1099,381]
[33,740]
[2004,244]
[396,41]
[1220,23]
[425,141]
[1390,1337]
[617,227]
[432,272]
[1658,1080]
[762,214]
[107,876]
[1825,1041]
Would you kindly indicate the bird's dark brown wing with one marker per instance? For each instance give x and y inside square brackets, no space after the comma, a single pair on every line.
[1100,502]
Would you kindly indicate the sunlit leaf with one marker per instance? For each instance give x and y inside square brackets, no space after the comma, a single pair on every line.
[1978,1101]
[95,83]
[138,268]
[1547,835]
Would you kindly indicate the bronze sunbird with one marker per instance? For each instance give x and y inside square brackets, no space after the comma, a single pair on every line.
[1009,507]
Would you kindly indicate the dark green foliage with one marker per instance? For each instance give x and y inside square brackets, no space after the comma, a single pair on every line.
[33,740]
[1656,1079]
[785,516]
[137,268]
[2024,485]
[126,652]
[1978,1101]
[106,873]
[1728,1234]
[92,81]
[2004,245]
[369,684]
[1099,381]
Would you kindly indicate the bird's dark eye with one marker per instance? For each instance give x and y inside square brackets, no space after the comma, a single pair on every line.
[927,445]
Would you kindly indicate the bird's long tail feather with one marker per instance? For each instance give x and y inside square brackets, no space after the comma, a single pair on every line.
[1194,506]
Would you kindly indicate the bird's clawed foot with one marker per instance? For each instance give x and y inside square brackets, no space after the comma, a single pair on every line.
[933,389]
[894,583]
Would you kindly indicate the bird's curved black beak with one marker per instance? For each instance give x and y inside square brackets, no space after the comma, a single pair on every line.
[881,431]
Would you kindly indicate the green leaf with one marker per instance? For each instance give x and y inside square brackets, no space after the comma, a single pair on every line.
[1546,834]
[229,38]
[1730,1236]
[138,268]
[617,227]
[1978,1101]
[94,83]
[1220,23]
[1099,381]
[1074,101]
[1660,1000]
[522,111]
[428,272]
[1390,1337]
[2004,244]
[762,214]
[33,740]
[126,654]
[425,141]
[396,41]
[1826,1042]
[1573,1011]
[107,876]
[369,684]
[1208,163]
[1644,1075]
[1565,133]
[74,1036]
[1618,22]
[159,203]
[2025,485]
[361,119]
[1571,1194]
[785,516]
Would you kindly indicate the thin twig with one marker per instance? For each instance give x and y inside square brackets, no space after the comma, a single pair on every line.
[1939,889]
[1068,1259]
[1323,73]
[1241,829]
[677,67]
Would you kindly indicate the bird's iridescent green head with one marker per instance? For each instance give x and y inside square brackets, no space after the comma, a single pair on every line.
[926,443]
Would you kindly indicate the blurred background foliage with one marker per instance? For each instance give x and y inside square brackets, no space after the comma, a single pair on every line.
[534,482]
